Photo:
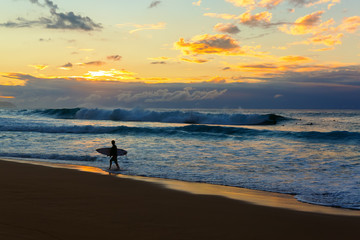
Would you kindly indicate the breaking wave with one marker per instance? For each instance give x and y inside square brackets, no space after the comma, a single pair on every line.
[141,115]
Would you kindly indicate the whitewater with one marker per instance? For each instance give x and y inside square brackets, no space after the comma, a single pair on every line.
[313,155]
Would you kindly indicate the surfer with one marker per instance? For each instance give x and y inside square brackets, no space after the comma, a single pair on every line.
[113,155]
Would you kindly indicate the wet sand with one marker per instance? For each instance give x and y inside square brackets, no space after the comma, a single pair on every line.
[39,202]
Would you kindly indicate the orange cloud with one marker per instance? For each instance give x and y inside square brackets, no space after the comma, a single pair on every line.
[242,3]
[331,3]
[7,97]
[323,49]
[254,3]
[259,19]
[255,20]
[322,32]
[39,67]
[220,44]
[303,25]
[269,3]
[198,3]
[217,79]
[328,40]
[289,64]
[295,59]
[350,24]
[221,15]
[11,79]
[112,75]
[159,58]
[194,60]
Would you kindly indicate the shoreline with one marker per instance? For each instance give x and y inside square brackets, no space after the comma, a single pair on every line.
[256,197]
[42,203]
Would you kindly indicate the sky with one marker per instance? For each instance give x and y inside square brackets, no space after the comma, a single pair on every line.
[242,54]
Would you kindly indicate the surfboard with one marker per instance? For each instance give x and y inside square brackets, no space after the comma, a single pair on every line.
[106,151]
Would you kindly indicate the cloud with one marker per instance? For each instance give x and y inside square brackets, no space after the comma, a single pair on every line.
[13,79]
[303,25]
[301,2]
[209,44]
[313,3]
[194,60]
[141,27]
[158,62]
[198,3]
[295,59]
[165,95]
[257,20]
[262,19]
[221,15]
[350,24]
[57,20]
[7,97]
[290,66]
[39,67]
[218,44]
[112,75]
[71,21]
[328,40]
[45,40]
[94,63]
[326,86]
[251,4]
[269,3]
[217,79]
[6,104]
[66,66]
[227,28]
[159,58]
[242,3]
[114,57]
[154,4]
[322,32]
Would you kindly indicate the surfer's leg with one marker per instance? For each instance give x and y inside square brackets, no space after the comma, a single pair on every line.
[110,163]
[117,165]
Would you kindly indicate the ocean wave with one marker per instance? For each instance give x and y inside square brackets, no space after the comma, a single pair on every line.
[330,136]
[192,130]
[141,115]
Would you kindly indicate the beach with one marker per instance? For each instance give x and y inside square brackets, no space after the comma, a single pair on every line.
[40,202]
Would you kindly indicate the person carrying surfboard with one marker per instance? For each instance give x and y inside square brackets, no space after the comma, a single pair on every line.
[113,154]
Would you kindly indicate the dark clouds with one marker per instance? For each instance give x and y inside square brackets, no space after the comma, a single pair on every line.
[95,63]
[227,28]
[61,92]
[56,20]
[66,66]
[154,4]
[326,89]
[302,2]
[114,57]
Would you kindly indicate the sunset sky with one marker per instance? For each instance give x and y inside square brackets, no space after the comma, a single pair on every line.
[180,53]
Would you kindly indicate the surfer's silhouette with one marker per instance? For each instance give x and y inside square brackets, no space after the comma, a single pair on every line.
[113,155]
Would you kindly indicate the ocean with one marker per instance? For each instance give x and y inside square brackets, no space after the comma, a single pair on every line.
[311,154]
